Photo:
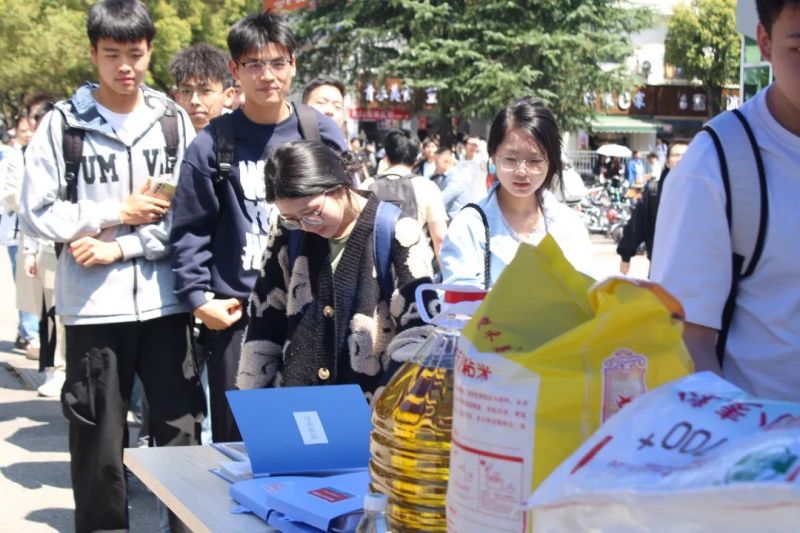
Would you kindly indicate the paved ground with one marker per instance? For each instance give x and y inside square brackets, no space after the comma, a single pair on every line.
[35,493]
[34,462]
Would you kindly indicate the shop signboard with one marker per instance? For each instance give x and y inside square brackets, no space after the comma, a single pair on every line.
[288,5]
[365,113]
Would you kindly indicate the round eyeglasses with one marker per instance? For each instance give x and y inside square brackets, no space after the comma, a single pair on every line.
[311,219]
[511,164]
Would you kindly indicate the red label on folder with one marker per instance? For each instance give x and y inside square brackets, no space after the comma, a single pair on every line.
[329,494]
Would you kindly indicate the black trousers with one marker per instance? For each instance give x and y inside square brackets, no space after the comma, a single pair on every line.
[101,362]
[223,350]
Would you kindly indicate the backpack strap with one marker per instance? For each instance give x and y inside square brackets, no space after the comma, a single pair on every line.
[307,122]
[169,128]
[223,142]
[746,200]
[72,149]
[487,252]
[385,221]
[386,218]
[296,238]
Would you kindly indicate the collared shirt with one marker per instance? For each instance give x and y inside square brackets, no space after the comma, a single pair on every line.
[457,190]
[462,252]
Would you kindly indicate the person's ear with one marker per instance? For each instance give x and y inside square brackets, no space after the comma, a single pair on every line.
[764,42]
[229,94]
[93,54]
[233,66]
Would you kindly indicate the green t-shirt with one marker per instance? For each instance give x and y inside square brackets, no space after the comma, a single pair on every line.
[337,247]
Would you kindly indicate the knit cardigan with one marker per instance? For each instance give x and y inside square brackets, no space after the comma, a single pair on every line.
[313,326]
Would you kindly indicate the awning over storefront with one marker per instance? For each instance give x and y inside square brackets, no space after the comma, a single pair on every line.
[624,124]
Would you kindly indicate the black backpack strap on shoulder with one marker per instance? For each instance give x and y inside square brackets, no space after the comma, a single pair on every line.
[72,148]
[307,122]
[487,258]
[746,200]
[223,141]
[169,127]
[761,237]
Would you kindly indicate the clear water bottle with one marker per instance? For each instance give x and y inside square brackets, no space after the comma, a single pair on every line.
[374,519]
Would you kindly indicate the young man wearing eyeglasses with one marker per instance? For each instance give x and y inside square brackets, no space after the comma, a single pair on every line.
[203,83]
[221,218]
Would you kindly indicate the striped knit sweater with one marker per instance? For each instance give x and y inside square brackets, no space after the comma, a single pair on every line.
[313,326]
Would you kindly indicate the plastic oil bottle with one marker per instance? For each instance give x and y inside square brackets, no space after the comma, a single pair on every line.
[412,420]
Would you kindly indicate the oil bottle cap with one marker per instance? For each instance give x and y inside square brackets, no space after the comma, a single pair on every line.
[375,502]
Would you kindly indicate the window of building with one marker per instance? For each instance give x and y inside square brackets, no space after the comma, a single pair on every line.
[756,73]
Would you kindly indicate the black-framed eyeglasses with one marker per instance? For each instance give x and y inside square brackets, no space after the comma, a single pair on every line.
[311,219]
[258,66]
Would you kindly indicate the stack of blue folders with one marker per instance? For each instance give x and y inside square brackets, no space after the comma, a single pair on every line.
[312,443]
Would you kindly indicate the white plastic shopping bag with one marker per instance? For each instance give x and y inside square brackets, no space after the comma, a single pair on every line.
[697,454]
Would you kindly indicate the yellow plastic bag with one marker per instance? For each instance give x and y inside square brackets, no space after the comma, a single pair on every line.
[546,359]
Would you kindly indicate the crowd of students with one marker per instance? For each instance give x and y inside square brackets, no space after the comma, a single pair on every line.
[232,232]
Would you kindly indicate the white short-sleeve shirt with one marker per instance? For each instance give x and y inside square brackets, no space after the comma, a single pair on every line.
[692,257]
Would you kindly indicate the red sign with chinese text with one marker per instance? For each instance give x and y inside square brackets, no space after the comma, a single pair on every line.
[362,113]
[287,5]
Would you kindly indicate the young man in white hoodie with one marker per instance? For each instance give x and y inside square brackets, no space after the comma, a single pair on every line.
[114,286]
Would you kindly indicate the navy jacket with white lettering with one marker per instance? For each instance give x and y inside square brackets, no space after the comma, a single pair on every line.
[219,232]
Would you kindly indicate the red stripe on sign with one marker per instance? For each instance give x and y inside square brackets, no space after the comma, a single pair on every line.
[487,454]
[793,475]
[590,455]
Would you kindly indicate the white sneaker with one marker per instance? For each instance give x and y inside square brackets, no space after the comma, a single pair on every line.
[32,350]
[51,388]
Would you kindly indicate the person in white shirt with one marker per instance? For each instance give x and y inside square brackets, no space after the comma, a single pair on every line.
[426,164]
[693,251]
[525,145]
[402,149]
[654,167]
[474,166]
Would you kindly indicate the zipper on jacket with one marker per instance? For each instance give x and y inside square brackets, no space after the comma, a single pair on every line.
[135,264]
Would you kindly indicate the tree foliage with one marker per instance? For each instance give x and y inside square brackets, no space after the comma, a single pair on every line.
[479,54]
[45,47]
[702,40]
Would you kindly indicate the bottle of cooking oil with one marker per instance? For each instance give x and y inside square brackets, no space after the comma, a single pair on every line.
[412,420]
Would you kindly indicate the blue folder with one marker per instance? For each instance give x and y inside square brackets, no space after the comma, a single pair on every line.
[305,504]
[303,430]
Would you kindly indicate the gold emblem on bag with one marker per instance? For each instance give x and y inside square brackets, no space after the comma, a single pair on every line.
[624,379]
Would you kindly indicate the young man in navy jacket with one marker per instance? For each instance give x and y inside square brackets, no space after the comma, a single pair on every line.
[220,226]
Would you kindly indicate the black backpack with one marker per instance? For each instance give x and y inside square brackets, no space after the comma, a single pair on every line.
[307,126]
[397,190]
[72,149]
[72,145]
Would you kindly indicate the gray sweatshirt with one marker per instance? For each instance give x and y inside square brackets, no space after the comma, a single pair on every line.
[140,285]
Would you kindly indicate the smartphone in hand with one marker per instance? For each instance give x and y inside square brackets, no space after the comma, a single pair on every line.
[162,187]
